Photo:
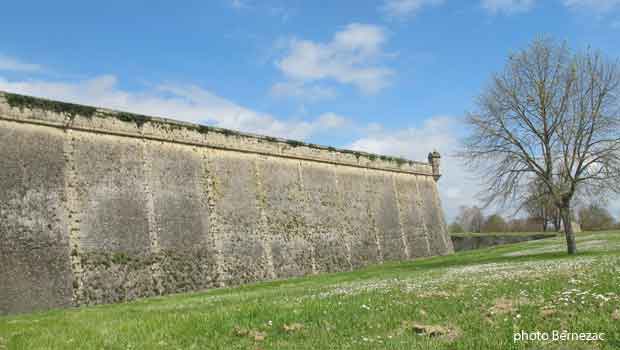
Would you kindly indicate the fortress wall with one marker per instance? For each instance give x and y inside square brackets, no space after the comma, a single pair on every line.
[412,217]
[242,242]
[322,216]
[34,248]
[437,235]
[357,218]
[283,203]
[385,211]
[179,218]
[98,206]
[110,236]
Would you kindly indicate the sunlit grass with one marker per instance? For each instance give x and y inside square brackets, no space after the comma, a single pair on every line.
[484,234]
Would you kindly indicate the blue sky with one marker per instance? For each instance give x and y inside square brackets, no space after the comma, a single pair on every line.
[388,76]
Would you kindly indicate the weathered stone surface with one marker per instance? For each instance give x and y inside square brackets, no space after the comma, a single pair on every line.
[322,216]
[243,254]
[34,266]
[439,241]
[385,212]
[357,218]
[416,230]
[283,204]
[98,206]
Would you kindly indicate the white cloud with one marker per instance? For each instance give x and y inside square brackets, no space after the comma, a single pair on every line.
[593,5]
[456,187]
[349,58]
[331,120]
[406,8]
[302,91]
[181,102]
[8,63]
[507,6]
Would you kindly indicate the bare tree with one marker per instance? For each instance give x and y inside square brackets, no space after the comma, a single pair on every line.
[494,223]
[470,218]
[594,217]
[552,116]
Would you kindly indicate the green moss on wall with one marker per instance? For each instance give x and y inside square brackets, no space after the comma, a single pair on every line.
[132,118]
[203,129]
[294,143]
[69,109]
[72,110]
[169,127]
[227,132]
[120,258]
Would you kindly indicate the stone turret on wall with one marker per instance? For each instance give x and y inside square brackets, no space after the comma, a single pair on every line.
[434,159]
[99,206]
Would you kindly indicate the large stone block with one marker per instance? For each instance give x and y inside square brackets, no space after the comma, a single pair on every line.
[283,208]
[323,215]
[439,241]
[110,186]
[244,256]
[34,249]
[357,217]
[178,183]
[111,225]
[412,216]
[384,207]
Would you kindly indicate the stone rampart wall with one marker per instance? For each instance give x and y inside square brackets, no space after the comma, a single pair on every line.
[98,206]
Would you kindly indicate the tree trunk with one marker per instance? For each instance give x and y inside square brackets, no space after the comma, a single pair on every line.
[571,245]
[556,220]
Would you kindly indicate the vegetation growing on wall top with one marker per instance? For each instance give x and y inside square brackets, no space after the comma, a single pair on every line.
[72,110]
[294,143]
[132,118]
[203,129]
[271,139]
[69,109]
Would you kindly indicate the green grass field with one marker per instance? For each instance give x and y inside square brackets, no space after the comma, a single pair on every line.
[484,234]
[471,300]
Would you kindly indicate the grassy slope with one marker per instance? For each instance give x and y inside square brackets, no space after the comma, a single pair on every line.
[480,298]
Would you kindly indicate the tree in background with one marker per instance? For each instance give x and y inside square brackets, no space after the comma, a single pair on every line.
[455,227]
[595,217]
[494,223]
[527,224]
[470,219]
[551,116]
[540,206]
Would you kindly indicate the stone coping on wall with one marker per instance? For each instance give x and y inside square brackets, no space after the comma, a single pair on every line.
[33,110]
